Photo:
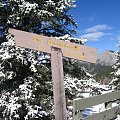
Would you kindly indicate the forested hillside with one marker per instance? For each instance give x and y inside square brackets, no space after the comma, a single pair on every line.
[103,67]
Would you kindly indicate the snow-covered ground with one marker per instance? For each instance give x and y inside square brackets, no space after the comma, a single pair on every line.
[90,85]
[97,109]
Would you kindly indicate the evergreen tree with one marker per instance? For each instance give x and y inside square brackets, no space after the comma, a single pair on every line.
[25,75]
[116,79]
[47,17]
[3,22]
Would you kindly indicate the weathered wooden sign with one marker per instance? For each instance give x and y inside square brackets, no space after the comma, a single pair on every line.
[57,49]
[43,43]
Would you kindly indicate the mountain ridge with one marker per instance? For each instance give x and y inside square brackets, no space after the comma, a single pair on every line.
[103,67]
[107,58]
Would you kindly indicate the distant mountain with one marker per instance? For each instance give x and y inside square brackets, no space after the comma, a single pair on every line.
[103,67]
[106,58]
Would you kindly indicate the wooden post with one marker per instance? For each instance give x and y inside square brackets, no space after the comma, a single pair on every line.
[58,84]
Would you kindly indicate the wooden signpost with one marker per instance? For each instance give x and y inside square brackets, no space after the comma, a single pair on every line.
[57,49]
[44,44]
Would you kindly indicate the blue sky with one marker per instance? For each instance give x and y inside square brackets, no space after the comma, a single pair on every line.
[99,22]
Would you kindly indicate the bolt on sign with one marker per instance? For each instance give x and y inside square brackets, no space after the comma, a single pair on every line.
[44,43]
[57,49]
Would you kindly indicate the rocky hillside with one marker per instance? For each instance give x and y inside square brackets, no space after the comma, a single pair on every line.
[106,58]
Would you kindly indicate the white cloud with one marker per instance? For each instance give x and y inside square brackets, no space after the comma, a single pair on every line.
[96,32]
[97,28]
[93,36]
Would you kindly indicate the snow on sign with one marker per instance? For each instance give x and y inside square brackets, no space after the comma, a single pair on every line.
[44,44]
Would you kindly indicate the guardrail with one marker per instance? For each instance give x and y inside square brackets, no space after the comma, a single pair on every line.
[109,113]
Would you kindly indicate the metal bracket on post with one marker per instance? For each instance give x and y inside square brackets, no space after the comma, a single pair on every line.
[58,84]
